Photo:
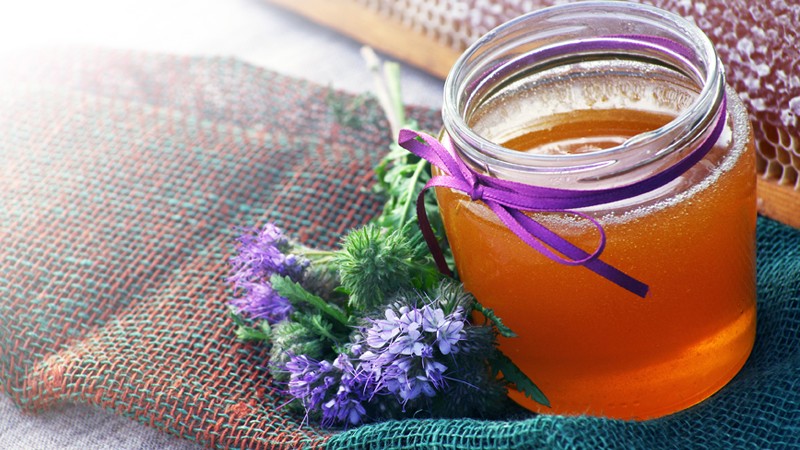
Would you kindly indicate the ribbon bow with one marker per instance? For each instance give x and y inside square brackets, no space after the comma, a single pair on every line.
[510,200]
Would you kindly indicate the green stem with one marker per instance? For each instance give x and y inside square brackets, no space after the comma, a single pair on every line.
[408,196]
[324,259]
[391,71]
[381,90]
[305,251]
[317,256]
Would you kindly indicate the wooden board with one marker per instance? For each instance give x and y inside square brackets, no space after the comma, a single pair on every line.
[781,203]
[370,28]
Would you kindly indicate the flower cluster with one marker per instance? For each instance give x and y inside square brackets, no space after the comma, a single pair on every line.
[404,352]
[403,349]
[262,254]
[260,301]
[334,389]
[401,356]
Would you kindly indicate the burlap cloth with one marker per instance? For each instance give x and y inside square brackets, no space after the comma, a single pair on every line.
[122,176]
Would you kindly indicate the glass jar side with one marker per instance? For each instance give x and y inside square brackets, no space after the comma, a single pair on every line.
[592,347]
[596,349]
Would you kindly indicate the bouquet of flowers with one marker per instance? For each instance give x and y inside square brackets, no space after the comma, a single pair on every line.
[372,330]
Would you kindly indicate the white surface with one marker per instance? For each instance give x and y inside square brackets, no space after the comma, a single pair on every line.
[247,29]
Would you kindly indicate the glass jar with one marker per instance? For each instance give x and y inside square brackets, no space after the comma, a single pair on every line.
[594,96]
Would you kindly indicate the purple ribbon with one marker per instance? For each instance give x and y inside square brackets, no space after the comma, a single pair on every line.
[510,200]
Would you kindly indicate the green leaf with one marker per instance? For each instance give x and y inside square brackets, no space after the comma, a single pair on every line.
[298,295]
[512,374]
[316,324]
[405,180]
[247,333]
[497,321]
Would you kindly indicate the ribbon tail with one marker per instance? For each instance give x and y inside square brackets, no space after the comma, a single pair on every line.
[433,152]
[430,237]
[618,277]
[561,245]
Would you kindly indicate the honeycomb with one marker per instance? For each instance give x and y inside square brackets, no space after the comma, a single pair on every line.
[758,42]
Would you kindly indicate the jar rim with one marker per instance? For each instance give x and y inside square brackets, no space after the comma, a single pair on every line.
[476,59]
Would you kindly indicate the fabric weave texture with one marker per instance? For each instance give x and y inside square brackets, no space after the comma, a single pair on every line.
[123,176]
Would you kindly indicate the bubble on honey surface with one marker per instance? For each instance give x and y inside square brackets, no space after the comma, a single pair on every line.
[691,184]
[541,100]
[758,43]
[681,191]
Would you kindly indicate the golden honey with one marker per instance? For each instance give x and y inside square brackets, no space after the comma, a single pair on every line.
[594,348]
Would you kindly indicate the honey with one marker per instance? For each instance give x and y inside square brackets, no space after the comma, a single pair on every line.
[603,112]
[590,346]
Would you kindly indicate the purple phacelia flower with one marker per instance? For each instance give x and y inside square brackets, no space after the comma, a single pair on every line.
[309,380]
[336,390]
[261,254]
[347,405]
[404,351]
[260,301]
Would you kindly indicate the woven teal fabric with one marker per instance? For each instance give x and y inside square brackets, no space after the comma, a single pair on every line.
[759,409]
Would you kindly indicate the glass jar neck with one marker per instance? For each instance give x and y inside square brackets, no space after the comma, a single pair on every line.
[591,56]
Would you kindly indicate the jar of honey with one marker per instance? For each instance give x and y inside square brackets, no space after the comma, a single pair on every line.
[591,99]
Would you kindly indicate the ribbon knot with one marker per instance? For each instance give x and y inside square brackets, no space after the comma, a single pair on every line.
[476,191]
